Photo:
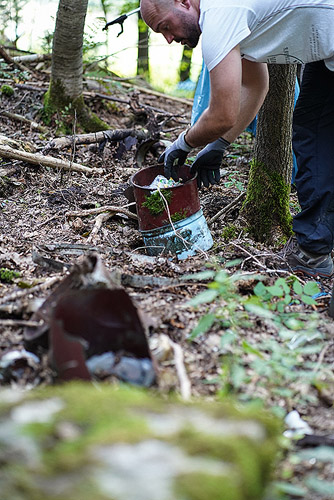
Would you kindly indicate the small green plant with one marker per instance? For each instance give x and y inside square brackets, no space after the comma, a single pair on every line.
[7,90]
[282,363]
[234,181]
[64,118]
[155,202]
[8,276]
[177,216]
[237,150]
[229,233]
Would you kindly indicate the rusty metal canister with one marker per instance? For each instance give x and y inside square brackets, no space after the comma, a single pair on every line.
[181,229]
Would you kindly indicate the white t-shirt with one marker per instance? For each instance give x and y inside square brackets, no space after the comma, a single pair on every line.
[272,31]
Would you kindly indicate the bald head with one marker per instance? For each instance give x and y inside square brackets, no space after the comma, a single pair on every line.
[176,20]
[146,6]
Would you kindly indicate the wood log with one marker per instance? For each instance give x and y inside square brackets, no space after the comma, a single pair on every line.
[96,137]
[46,161]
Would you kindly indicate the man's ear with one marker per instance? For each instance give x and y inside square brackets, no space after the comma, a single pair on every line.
[184,3]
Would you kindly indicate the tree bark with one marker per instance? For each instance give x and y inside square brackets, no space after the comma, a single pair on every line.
[67,46]
[66,85]
[143,67]
[266,207]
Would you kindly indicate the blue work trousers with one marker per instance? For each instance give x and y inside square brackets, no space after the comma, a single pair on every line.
[313,145]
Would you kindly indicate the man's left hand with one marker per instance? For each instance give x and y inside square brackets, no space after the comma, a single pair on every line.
[207,163]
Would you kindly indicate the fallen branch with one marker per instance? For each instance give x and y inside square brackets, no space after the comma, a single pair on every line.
[23,119]
[35,88]
[10,60]
[46,161]
[96,137]
[100,210]
[32,58]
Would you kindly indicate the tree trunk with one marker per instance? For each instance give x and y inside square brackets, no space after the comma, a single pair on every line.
[266,207]
[66,85]
[67,46]
[143,68]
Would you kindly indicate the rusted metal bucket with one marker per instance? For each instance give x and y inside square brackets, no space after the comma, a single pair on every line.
[181,228]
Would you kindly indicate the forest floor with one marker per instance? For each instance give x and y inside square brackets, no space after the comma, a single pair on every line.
[277,356]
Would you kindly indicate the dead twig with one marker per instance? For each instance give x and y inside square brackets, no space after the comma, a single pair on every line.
[228,208]
[100,219]
[321,357]
[72,248]
[185,385]
[34,88]
[100,210]
[128,102]
[46,161]
[182,100]
[23,119]
[44,223]
[19,322]
[19,294]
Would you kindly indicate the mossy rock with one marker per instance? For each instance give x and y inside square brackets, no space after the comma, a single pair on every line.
[81,441]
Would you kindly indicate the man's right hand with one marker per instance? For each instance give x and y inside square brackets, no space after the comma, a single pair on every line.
[175,156]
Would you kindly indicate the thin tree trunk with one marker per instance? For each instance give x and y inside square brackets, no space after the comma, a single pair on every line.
[185,65]
[67,64]
[65,92]
[143,55]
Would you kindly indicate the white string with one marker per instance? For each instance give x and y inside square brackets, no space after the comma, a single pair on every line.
[174,230]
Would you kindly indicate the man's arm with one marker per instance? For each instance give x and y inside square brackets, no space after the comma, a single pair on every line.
[238,89]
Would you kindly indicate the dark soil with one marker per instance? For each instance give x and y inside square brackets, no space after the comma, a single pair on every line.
[36,229]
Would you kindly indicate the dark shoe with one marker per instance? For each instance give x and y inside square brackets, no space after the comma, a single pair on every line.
[298,260]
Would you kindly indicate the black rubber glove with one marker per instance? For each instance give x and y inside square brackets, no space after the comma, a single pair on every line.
[175,156]
[207,163]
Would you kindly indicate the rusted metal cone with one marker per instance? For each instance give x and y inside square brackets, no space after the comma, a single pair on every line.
[87,324]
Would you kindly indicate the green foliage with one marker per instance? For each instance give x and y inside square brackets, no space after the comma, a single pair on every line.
[283,362]
[229,233]
[90,44]
[63,119]
[14,74]
[8,276]
[155,203]
[142,27]
[177,216]
[46,42]
[11,16]
[237,150]
[234,181]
